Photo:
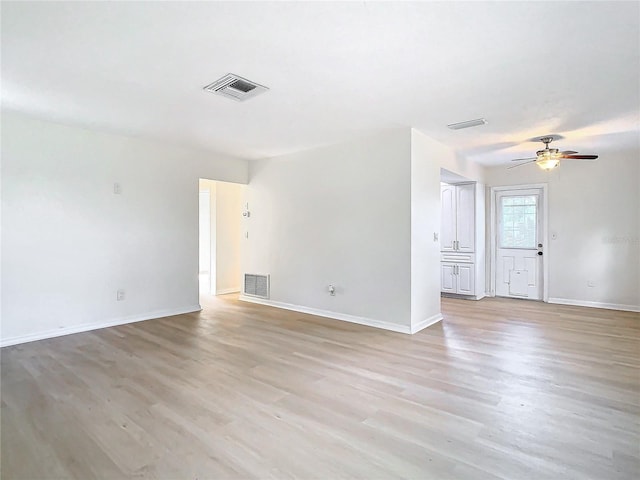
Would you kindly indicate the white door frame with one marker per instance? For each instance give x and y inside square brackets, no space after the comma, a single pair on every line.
[493,232]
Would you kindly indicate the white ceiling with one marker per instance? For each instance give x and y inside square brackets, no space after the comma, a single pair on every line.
[334,70]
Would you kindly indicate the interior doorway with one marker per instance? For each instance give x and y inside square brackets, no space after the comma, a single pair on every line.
[220,236]
[518,242]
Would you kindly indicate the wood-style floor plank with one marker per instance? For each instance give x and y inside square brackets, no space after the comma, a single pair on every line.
[500,390]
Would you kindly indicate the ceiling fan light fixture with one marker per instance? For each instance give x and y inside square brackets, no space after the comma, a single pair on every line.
[548,163]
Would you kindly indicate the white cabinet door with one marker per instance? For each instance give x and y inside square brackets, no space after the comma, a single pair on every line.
[465,217]
[448,278]
[464,277]
[457,278]
[448,219]
[457,224]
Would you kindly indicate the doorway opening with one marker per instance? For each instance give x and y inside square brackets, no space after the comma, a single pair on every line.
[220,237]
[518,242]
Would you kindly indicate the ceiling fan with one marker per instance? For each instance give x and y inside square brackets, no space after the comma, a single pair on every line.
[549,158]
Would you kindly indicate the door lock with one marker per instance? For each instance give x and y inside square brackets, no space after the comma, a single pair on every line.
[540,253]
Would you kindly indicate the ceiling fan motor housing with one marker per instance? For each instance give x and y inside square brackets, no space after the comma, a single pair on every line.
[547,152]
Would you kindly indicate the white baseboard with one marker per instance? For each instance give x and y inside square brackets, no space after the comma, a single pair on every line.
[32,337]
[224,291]
[427,322]
[583,303]
[462,297]
[328,314]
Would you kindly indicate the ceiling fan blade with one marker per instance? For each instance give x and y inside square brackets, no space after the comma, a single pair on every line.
[531,160]
[523,159]
[568,152]
[580,157]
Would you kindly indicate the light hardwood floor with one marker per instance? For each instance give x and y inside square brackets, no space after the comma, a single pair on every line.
[502,389]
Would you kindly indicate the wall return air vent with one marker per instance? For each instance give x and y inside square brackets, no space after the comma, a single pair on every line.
[235,87]
[256,285]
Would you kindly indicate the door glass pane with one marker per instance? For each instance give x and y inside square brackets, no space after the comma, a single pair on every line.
[518,221]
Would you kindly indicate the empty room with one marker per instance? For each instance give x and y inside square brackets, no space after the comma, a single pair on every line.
[320,240]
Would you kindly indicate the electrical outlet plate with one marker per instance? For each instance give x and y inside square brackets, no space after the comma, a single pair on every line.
[120,295]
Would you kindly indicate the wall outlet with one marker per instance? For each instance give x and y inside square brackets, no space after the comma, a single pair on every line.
[120,295]
[435,236]
[117,189]
[332,290]
[591,283]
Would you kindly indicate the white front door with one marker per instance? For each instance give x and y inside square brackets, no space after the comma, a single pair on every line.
[519,247]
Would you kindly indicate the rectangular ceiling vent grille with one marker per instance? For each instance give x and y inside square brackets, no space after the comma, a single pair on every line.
[469,123]
[235,87]
[256,285]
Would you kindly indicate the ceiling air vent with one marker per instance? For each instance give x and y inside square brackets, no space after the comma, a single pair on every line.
[236,87]
[469,123]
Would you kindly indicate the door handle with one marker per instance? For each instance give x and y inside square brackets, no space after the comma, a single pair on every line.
[540,253]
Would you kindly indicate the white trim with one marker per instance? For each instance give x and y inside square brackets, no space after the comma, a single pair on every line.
[493,232]
[427,322]
[584,303]
[328,314]
[463,297]
[225,291]
[32,337]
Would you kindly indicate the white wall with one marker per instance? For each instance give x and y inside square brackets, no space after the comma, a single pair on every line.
[69,243]
[457,164]
[336,215]
[594,212]
[204,239]
[426,156]
[481,244]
